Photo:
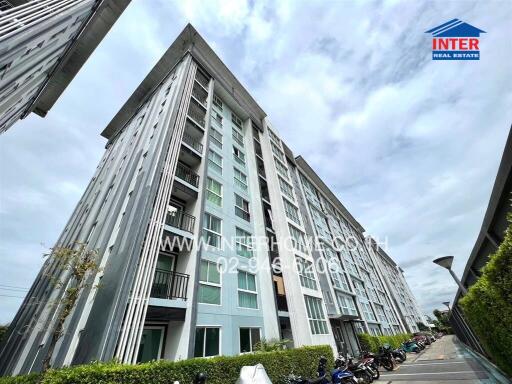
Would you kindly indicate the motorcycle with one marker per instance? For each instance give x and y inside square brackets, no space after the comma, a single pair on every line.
[342,375]
[321,373]
[386,359]
[399,355]
[410,346]
[368,359]
[360,370]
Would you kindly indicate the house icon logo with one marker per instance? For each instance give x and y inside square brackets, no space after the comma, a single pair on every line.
[455,40]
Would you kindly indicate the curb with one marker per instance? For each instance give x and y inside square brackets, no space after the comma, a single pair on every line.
[492,369]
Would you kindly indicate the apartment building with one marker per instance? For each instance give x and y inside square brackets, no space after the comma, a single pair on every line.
[403,298]
[211,236]
[43,45]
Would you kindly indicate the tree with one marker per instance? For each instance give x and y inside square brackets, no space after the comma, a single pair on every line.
[422,327]
[442,321]
[79,263]
[3,330]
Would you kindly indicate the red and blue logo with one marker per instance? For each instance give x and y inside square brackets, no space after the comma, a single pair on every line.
[455,40]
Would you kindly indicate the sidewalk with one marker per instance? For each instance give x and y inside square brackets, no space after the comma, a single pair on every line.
[443,362]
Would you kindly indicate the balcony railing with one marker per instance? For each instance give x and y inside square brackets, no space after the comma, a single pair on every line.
[181,220]
[193,142]
[282,304]
[196,113]
[202,79]
[186,174]
[169,285]
[200,94]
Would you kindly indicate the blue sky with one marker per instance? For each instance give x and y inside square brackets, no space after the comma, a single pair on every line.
[411,146]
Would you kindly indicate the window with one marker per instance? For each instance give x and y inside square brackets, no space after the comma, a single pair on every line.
[207,342]
[367,311]
[243,243]
[285,188]
[238,137]
[305,269]
[291,211]
[240,179]
[215,161]
[212,231]
[273,136]
[347,305]
[249,337]
[277,152]
[216,137]
[236,120]
[238,156]
[217,102]
[214,191]
[360,291]
[209,283]
[247,296]
[242,208]
[316,317]
[297,238]
[281,168]
[217,117]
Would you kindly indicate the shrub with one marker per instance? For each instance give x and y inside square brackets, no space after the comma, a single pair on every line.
[220,370]
[372,343]
[487,305]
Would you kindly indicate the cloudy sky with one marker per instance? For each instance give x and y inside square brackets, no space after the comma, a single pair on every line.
[411,146]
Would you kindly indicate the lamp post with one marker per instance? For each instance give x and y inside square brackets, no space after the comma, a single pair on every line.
[447,303]
[446,262]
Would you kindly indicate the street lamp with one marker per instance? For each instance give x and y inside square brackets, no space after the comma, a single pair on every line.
[446,262]
[447,303]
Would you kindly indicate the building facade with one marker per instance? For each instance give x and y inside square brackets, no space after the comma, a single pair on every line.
[43,44]
[211,236]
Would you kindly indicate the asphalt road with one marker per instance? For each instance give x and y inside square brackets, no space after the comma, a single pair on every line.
[444,362]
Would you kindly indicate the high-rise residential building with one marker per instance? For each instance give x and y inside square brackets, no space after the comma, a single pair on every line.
[211,236]
[408,308]
[43,45]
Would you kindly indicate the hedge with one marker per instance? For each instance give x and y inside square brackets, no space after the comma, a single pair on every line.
[488,305]
[372,343]
[220,370]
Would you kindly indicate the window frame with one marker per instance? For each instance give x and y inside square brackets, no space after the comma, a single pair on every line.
[215,166]
[314,308]
[239,183]
[210,192]
[250,338]
[218,234]
[205,327]
[209,283]
[245,214]
[247,291]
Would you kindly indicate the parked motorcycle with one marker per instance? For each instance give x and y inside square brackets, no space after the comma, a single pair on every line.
[386,359]
[368,359]
[342,375]
[321,373]
[399,355]
[360,370]
[411,346]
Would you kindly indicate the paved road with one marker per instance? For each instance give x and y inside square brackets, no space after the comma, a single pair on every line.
[444,362]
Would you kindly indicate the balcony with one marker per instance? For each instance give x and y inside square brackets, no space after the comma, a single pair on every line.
[282,304]
[192,142]
[202,79]
[186,174]
[181,220]
[200,94]
[196,113]
[169,285]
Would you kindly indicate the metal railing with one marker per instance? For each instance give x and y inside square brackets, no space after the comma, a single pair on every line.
[187,174]
[193,142]
[196,113]
[200,94]
[202,79]
[5,5]
[24,16]
[169,285]
[181,220]
[282,304]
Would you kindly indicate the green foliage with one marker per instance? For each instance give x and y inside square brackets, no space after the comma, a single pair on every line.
[422,327]
[220,370]
[442,321]
[488,305]
[3,330]
[372,343]
[271,345]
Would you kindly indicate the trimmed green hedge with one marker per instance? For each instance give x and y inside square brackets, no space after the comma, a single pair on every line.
[372,343]
[220,370]
[488,305]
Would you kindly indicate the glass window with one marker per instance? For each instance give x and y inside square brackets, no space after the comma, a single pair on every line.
[247,296]
[215,161]
[316,316]
[212,231]
[277,152]
[240,179]
[347,305]
[209,283]
[306,273]
[285,188]
[238,156]
[291,211]
[243,243]
[216,137]
[281,168]
[217,117]
[297,238]
[207,342]
[242,208]
[249,337]
[238,137]
[273,136]
[214,191]
[236,120]
[217,102]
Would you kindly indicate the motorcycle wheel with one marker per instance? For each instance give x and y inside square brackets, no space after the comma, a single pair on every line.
[368,378]
[387,364]
[375,373]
